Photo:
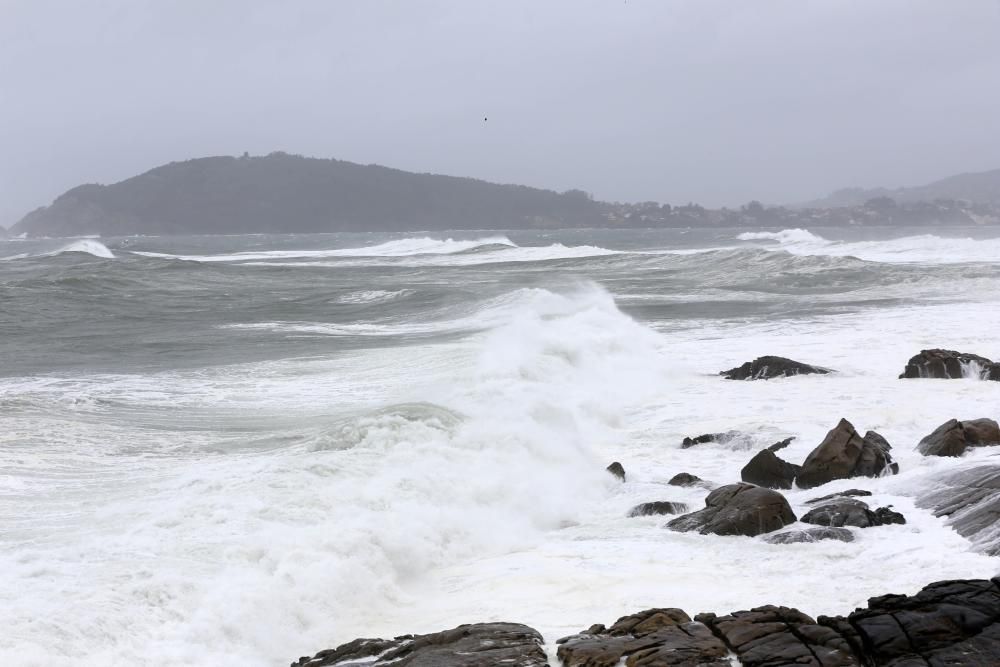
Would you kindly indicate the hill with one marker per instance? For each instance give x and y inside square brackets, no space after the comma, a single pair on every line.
[980,187]
[286,193]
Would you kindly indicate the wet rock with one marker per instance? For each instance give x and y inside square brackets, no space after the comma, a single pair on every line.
[769,470]
[949,623]
[844,454]
[685,479]
[773,636]
[781,444]
[476,645]
[810,535]
[953,437]
[651,638]
[970,499]
[850,493]
[617,470]
[657,507]
[765,368]
[721,438]
[851,512]
[949,364]
[738,509]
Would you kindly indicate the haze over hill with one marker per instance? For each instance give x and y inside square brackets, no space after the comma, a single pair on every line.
[282,193]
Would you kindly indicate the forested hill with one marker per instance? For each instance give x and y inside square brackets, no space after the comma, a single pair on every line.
[286,193]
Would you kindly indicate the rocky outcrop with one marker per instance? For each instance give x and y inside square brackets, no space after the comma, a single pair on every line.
[738,509]
[709,437]
[651,638]
[948,623]
[970,499]
[953,437]
[685,479]
[767,469]
[844,454]
[765,368]
[781,444]
[476,645]
[617,469]
[948,364]
[773,636]
[810,535]
[840,512]
[850,493]
[658,507]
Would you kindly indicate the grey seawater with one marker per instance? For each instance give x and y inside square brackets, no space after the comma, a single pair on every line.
[240,449]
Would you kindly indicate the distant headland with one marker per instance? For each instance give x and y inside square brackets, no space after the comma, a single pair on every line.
[283,193]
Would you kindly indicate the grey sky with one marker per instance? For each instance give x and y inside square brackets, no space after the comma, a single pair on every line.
[714,102]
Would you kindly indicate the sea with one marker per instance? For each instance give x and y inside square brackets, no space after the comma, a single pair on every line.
[239,450]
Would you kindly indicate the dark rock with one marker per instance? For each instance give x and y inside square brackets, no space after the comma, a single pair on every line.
[617,470]
[765,368]
[842,494]
[781,444]
[477,645]
[778,636]
[810,535]
[948,623]
[652,638]
[844,454]
[685,479]
[738,509]
[953,437]
[768,470]
[709,437]
[851,512]
[657,507]
[948,364]
[970,499]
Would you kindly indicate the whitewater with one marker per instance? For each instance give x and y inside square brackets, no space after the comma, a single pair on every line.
[240,450]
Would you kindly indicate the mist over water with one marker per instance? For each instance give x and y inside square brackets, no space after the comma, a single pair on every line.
[239,450]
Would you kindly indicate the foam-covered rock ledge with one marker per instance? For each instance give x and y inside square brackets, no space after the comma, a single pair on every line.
[767,367]
[950,365]
[947,624]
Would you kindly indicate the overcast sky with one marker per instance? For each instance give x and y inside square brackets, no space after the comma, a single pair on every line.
[713,102]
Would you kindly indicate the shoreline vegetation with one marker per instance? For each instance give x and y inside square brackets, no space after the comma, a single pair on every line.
[282,193]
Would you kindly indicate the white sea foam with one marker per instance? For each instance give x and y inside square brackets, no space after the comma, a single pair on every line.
[87,246]
[924,248]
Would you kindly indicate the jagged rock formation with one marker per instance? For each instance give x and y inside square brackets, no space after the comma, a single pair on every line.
[767,469]
[947,624]
[738,509]
[709,437]
[475,645]
[949,364]
[953,437]
[844,454]
[658,507]
[767,367]
[839,512]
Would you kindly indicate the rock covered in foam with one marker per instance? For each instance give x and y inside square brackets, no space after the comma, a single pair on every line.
[657,507]
[810,535]
[738,509]
[949,364]
[767,367]
[953,437]
[685,479]
[475,645]
[844,454]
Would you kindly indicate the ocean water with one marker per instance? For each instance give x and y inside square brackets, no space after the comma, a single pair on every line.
[240,450]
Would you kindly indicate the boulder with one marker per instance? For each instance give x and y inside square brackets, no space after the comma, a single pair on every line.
[617,470]
[953,437]
[765,368]
[738,509]
[948,364]
[844,454]
[709,437]
[685,479]
[851,512]
[767,469]
[850,493]
[773,636]
[810,535]
[476,645]
[651,638]
[947,623]
[657,507]
[970,500]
